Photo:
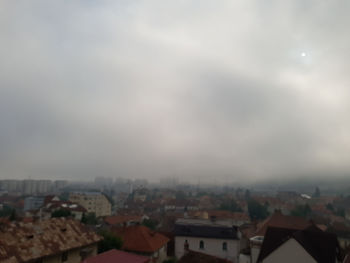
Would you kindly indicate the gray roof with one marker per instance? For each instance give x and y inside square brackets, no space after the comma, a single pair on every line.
[205,228]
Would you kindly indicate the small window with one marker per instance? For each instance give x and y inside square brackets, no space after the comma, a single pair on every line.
[64,256]
[201,244]
[186,245]
[224,246]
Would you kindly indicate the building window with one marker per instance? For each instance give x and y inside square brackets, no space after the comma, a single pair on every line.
[201,244]
[186,245]
[224,246]
[64,256]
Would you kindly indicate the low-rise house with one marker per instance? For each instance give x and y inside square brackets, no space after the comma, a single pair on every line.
[53,240]
[142,240]
[114,256]
[310,245]
[218,238]
[75,209]
[276,220]
[343,233]
[283,221]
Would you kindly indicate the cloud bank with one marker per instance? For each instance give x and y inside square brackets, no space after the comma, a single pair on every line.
[231,90]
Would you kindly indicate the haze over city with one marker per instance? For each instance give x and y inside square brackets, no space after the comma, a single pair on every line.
[198,90]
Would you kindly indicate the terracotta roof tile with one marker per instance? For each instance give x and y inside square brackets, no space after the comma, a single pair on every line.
[114,255]
[282,221]
[48,237]
[141,239]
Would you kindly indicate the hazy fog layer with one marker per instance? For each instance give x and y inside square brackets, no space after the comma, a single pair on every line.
[196,89]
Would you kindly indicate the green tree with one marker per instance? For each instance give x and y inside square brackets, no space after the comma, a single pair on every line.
[330,207]
[61,213]
[13,215]
[6,211]
[247,194]
[170,260]
[256,210]
[110,241]
[89,219]
[230,205]
[152,224]
[317,192]
[340,212]
[301,211]
[180,195]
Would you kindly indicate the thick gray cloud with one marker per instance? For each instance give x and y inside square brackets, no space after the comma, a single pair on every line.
[231,90]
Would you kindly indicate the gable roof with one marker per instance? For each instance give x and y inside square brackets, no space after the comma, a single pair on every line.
[114,255]
[48,237]
[322,246]
[197,257]
[281,221]
[141,239]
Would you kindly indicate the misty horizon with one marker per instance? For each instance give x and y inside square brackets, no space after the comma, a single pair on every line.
[241,91]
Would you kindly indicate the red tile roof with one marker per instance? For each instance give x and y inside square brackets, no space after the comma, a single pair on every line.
[197,257]
[113,256]
[282,221]
[121,219]
[141,239]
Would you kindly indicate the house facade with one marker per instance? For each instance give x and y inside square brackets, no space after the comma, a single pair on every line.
[215,238]
[289,252]
[310,245]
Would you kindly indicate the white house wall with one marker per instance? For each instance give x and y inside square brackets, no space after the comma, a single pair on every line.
[212,246]
[289,252]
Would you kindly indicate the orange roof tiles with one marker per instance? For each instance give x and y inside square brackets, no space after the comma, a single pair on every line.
[141,239]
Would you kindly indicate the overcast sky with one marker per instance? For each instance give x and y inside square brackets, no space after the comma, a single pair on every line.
[211,90]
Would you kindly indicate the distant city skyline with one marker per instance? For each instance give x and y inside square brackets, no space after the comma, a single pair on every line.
[210,91]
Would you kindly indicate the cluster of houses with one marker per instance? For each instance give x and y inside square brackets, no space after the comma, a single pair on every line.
[279,238]
[163,227]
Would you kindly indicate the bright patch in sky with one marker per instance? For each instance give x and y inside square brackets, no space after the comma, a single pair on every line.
[303,54]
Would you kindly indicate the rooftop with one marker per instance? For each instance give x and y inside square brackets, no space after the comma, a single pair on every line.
[197,257]
[141,239]
[114,255]
[282,221]
[121,219]
[205,228]
[48,237]
[322,246]
[204,222]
